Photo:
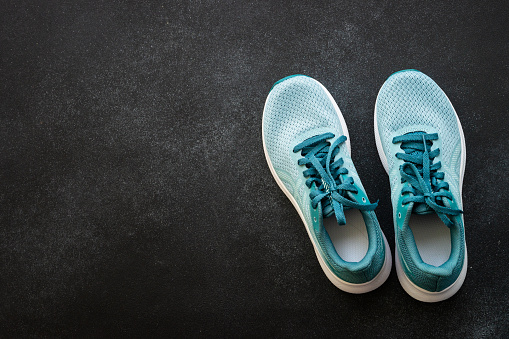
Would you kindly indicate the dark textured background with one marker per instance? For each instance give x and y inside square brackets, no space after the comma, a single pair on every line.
[134,194]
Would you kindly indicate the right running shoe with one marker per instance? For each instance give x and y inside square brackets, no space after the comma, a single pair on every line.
[306,144]
[421,145]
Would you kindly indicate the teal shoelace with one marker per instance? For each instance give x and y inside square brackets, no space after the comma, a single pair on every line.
[318,156]
[427,188]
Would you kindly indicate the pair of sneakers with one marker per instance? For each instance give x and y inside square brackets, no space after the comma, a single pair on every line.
[421,145]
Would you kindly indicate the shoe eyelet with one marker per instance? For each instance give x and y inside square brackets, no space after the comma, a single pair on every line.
[314,218]
[399,215]
[363,199]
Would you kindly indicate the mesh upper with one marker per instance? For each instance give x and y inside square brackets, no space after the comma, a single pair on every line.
[412,98]
[294,106]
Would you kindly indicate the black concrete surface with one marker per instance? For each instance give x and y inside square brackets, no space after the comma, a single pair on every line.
[134,195]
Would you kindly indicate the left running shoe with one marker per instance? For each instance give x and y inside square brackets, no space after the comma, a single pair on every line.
[307,148]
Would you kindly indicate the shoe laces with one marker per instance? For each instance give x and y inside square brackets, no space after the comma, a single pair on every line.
[427,188]
[328,175]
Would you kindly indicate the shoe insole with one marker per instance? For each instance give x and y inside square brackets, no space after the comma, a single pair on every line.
[432,237]
[350,240]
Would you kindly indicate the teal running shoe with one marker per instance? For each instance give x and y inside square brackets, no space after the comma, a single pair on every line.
[421,145]
[308,152]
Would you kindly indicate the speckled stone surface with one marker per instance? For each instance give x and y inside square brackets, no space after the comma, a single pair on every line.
[135,199]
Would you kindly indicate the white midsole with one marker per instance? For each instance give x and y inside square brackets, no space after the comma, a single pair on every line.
[341,284]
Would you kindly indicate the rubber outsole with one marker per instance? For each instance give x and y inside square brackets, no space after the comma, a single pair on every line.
[413,290]
[339,283]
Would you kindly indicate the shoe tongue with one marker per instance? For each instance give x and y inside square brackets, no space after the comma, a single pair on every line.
[422,209]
